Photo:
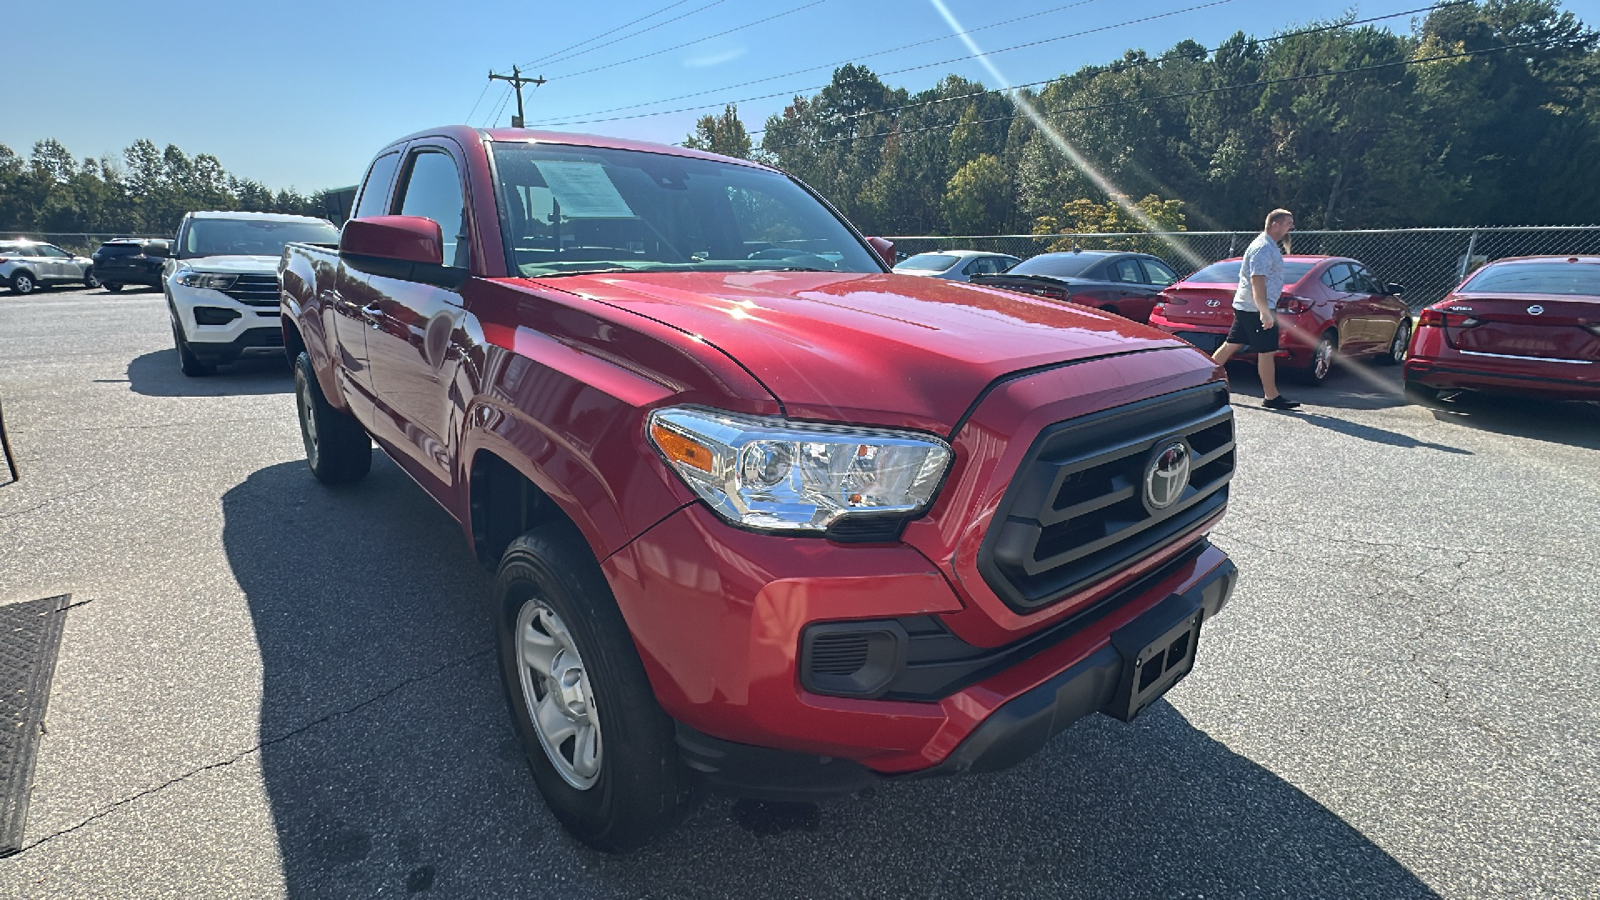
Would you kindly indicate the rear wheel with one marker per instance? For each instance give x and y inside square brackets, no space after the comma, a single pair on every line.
[1321,359]
[1397,347]
[23,283]
[90,280]
[601,749]
[113,286]
[338,449]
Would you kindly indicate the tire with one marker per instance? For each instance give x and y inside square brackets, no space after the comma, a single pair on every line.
[113,286]
[1422,395]
[1397,347]
[338,449]
[23,283]
[1322,356]
[604,758]
[191,364]
[90,280]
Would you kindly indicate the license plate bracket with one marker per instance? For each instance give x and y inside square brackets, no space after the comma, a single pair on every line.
[1157,650]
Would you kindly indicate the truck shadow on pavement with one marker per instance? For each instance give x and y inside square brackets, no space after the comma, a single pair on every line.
[390,766]
[156,374]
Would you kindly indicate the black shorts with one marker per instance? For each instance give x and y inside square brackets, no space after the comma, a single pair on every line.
[1247,330]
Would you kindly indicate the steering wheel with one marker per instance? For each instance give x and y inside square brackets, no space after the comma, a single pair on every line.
[797,257]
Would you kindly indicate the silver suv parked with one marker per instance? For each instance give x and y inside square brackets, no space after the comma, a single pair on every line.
[28,265]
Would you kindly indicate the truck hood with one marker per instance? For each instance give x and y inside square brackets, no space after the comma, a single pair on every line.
[240,265]
[869,348]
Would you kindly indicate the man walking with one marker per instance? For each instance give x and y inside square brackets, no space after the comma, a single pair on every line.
[1255,325]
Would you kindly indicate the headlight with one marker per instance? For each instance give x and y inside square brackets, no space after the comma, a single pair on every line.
[789,476]
[207,280]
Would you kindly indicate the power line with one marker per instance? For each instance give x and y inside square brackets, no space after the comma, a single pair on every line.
[1195,93]
[1122,66]
[695,41]
[944,62]
[495,118]
[477,101]
[686,15]
[827,66]
[597,37]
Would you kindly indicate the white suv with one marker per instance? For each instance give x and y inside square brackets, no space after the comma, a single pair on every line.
[222,283]
[26,266]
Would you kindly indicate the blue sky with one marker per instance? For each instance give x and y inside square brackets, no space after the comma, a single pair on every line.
[301,94]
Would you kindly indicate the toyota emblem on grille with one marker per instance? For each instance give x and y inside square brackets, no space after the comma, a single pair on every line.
[1166,475]
[1213,303]
[1536,310]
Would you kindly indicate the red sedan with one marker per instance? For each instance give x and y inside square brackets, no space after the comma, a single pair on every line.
[1330,306]
[1517,326]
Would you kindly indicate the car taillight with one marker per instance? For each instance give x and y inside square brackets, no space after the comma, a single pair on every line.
[1173,300]
[1435,318]
[4,259]
[1289,303]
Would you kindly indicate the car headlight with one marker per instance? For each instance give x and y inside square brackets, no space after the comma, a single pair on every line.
[790,476]
[207,280]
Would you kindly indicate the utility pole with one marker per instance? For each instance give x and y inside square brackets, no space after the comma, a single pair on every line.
[517,81]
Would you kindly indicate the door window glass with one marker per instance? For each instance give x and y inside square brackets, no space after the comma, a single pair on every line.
[433,190]
[1157,273]
[375,190]
[1362,281]
[1127,270]
[53,251]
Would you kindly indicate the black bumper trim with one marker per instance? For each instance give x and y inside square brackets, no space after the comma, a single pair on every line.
[253,339]
[1011,734]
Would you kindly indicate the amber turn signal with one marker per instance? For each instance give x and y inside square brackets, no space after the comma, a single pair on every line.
[682,449]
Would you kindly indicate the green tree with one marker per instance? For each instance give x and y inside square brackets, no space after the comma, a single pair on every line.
[977,199]
[722,134]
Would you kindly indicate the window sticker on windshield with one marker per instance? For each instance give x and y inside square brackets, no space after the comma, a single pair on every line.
[584,190]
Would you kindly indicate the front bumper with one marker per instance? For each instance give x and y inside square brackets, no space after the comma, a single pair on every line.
[718,615]
[1010,734]
[250,327]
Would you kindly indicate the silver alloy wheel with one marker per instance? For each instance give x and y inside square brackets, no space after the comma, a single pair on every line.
[308,420]
[1402,335]
[556,691]
[22,283]
[1322,359]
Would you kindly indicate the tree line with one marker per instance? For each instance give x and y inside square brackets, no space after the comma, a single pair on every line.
[145,191]
[1486,113]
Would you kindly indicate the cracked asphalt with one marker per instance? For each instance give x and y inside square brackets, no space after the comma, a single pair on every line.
[268,688]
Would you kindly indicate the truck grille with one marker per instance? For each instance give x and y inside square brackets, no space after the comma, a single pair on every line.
[255,290]
[1077,510]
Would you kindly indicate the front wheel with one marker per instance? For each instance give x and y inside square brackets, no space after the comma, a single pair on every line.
[191,364]
[338,449]
[601,749]
[23,283]
[1397,347]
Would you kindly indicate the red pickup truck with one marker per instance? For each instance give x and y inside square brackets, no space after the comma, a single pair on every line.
[765,515]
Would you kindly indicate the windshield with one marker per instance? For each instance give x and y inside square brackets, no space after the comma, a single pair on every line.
[251,237]
[1055,264]
[929,262]
[1536,278]
[1227,272]
[570,210]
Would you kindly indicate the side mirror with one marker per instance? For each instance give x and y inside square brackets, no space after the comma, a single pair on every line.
[406,239]
[157,248]
[884,249]
[1393,288]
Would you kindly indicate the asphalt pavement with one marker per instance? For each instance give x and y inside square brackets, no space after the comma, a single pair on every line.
[271,688]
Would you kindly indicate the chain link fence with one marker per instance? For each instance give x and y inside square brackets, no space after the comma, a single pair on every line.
[83,243]
[1428,261]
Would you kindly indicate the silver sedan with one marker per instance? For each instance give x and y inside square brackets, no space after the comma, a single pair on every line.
[957,265]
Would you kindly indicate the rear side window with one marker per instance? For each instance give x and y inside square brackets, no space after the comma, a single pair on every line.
[375,189]
[1227,272]
[433,190]
[120,249]
[1537,278]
